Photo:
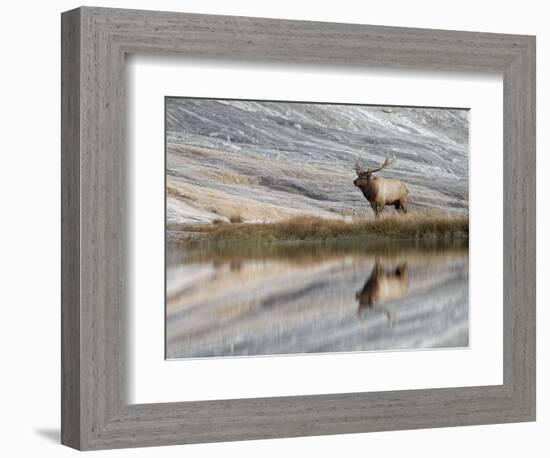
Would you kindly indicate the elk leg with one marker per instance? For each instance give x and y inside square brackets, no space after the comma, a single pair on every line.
[376,209]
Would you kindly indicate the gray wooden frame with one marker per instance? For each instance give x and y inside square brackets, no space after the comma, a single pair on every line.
[95,412]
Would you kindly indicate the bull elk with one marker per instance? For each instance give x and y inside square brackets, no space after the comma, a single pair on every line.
[381,191]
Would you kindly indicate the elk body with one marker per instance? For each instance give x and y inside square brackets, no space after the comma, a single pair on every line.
[381,191]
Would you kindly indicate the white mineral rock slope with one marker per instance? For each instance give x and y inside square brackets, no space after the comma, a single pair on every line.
[267,161]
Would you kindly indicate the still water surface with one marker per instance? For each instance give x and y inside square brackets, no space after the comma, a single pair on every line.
[235,300]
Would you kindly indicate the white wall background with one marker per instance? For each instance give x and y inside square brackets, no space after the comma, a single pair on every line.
[30,246]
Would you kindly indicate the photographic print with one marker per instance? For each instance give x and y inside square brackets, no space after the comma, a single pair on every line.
[300,228]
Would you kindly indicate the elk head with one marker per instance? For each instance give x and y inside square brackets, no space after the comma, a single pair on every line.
[364,176]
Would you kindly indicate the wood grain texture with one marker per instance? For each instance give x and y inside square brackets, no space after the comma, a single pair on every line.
[70,229]
[96,413]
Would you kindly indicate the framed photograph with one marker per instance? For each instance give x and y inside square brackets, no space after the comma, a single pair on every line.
[277,228]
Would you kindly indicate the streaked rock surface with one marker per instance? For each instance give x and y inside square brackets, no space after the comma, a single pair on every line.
[270,160]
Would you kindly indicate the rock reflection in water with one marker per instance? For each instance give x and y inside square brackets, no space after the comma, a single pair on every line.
[239,300]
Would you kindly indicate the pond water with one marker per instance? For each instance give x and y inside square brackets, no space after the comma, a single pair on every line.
[292,298]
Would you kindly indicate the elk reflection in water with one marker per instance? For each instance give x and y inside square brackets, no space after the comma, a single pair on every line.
[382,286]
[317,297]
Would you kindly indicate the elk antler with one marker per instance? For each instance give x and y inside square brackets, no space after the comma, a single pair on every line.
[385,164]
[357,166]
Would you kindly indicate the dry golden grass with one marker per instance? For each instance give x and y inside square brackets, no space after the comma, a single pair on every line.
[410,226]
